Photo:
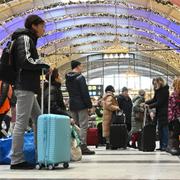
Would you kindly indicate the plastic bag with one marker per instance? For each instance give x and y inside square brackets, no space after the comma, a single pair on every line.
[29,149]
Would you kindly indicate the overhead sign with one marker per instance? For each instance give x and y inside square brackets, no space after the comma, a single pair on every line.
[95,90]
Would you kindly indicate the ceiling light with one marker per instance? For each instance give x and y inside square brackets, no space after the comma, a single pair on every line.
[126,56]
[121,56]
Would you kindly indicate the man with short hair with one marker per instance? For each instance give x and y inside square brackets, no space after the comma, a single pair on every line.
[29,68]
[126,105]
[80,101]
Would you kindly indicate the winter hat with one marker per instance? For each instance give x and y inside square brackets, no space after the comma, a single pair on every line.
[74,64]
[54,75]
[124,89]
[110,88]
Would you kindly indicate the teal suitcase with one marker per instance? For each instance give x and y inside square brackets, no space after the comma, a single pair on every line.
[53,141]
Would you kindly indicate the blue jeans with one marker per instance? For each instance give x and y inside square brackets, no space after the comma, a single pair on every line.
[163,136]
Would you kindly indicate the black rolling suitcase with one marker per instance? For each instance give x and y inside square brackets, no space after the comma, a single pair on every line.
[147,138]
[118,135]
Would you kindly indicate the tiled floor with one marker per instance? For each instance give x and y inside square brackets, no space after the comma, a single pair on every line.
[115,165]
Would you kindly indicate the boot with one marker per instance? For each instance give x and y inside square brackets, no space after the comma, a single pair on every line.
[86,151]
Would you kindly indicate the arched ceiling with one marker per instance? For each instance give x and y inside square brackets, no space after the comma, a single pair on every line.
[75,29]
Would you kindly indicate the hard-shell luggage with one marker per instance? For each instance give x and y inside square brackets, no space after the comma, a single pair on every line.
[53,138]
[118,136]
[92,137]
[147,138]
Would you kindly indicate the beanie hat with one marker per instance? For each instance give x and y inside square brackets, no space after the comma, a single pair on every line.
[110,88]
[74,64]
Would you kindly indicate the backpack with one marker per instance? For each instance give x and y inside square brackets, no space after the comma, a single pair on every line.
[7,66]
[6,104]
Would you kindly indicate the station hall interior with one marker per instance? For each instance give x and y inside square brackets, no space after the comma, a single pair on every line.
[123,43]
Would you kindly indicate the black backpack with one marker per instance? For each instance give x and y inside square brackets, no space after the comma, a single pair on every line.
[7,66]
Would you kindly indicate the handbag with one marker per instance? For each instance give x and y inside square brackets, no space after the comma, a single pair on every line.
[76,153]
[118,117]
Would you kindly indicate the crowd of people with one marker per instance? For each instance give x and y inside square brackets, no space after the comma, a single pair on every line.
[164,110]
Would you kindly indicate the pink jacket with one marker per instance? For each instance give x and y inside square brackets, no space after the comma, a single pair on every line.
[173,107]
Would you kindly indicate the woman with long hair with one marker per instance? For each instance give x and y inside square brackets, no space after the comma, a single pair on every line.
[160,103]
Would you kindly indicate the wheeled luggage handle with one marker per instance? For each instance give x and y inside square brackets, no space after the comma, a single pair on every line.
[145,116]
[42,93]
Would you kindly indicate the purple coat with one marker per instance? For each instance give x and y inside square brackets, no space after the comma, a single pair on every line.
[173,107]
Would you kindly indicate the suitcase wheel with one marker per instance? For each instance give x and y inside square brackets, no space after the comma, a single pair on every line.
[66,165]
[38,166]
[96,146]
[50,167]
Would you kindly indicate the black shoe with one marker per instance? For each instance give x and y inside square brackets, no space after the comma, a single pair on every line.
[86,151]
[174,152]
[159,149]
[108,146]
[114,148]
[23,165]
[134,146]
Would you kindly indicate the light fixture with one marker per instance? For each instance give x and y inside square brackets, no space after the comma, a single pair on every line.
[116,56]
[126,55]
[121,55]
[106,56]
[111,56]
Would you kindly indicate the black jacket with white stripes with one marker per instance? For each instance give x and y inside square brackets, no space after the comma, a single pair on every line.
[26,59]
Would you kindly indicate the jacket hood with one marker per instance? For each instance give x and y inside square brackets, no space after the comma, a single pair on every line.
[20,32]
[165,88]
[136,98]
[72,75]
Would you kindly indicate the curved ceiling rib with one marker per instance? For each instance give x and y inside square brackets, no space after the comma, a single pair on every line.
[95,31]
[53,13]
[137,24]
[77,41]
[20,6]
[74,11]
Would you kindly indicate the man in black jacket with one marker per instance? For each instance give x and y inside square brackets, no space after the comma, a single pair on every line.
[80,101]
[29,68]
[126,105]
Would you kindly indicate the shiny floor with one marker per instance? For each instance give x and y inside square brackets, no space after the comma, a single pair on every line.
[108,165]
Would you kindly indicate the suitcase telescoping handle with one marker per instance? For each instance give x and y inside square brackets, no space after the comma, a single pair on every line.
[145,116]
[42,93]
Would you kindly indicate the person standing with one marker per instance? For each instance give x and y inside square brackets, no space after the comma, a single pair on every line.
[126,105]
[80,102]
[110,105]
[174,119]
[160,102]
[29,67]
[137,117]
